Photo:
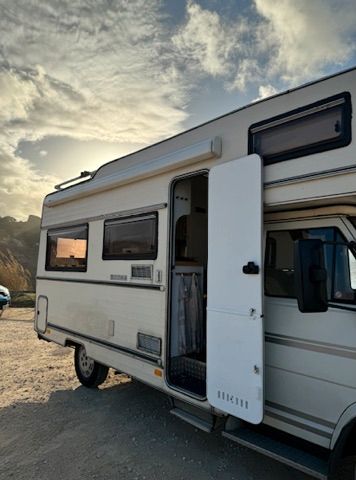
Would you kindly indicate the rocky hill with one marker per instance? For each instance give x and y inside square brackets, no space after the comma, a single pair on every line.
[18,252]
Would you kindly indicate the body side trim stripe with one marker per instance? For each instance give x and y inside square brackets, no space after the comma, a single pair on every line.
[302,426]
[297,413]
[112,346]
[339,351]
[311,176]
[102,282]
[317,342]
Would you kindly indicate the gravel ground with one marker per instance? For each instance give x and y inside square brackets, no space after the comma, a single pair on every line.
[53,428]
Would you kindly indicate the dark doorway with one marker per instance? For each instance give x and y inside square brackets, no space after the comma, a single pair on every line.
[189,261]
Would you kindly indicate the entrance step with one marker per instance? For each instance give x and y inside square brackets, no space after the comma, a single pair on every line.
[193,420]
[313,465]
[205,421]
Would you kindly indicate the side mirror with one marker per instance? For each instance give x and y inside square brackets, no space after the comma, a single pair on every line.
[310,275]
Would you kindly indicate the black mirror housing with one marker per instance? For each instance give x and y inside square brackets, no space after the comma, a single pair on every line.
[310,275]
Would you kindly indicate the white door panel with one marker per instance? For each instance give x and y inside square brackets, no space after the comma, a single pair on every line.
[235,336]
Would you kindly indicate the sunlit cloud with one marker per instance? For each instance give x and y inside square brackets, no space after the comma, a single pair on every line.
[21,186]
[68,70]
[265,91]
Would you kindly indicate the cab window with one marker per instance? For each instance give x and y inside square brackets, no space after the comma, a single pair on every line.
[279,263]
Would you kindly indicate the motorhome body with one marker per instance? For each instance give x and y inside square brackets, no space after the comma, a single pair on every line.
[175,265]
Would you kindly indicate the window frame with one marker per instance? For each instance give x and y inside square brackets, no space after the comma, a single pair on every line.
[132,256]
[322,146]
[49,268]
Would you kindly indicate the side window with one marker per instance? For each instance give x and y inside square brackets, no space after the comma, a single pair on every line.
[131,238]
[67,249]
[279,263]
[318,127]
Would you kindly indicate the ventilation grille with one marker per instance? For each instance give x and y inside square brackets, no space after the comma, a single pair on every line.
[141,272]
[149,343]
[233,399]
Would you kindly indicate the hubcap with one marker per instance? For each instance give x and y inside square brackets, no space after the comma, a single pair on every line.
[86,363]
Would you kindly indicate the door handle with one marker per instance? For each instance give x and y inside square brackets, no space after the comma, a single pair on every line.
[251,268]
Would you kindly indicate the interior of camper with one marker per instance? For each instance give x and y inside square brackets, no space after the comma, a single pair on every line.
[189,261]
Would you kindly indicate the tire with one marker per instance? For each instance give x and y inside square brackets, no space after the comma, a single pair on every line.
[90,373]
[345,471]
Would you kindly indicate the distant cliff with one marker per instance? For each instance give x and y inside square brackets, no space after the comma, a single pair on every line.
[18,252]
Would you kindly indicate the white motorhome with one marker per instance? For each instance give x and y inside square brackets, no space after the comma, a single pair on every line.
[219,267]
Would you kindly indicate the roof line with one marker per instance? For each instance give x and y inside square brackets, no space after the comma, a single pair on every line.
[285,92]
[244,107]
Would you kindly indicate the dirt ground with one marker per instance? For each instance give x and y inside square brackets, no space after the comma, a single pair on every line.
[53,428]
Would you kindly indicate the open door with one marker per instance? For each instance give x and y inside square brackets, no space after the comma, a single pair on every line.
[235,335]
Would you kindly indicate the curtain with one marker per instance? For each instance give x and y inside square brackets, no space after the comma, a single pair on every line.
[190,316]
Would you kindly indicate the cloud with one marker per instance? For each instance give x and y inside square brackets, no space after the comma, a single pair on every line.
[248,72]
[68,70]
[306,36]
[206,42]
[283,42]
[223,47]
[122,73]
[109,77]
[265,91]
[17,95]
[22,188]
[48,106]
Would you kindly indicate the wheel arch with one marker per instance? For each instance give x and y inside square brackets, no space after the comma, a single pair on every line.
[343,443]
[347,417]
[72,343]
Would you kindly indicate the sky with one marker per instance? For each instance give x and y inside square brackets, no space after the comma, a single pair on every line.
[85,81]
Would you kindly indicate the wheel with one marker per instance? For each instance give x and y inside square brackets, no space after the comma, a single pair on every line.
[89,372]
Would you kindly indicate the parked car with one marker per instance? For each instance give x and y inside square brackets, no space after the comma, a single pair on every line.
[5,298]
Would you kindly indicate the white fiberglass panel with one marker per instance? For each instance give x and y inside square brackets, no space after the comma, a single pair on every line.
[235,322]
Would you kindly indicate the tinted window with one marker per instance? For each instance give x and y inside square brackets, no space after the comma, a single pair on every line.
[67,248]
[279,263]
[315,128]
[131,238]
